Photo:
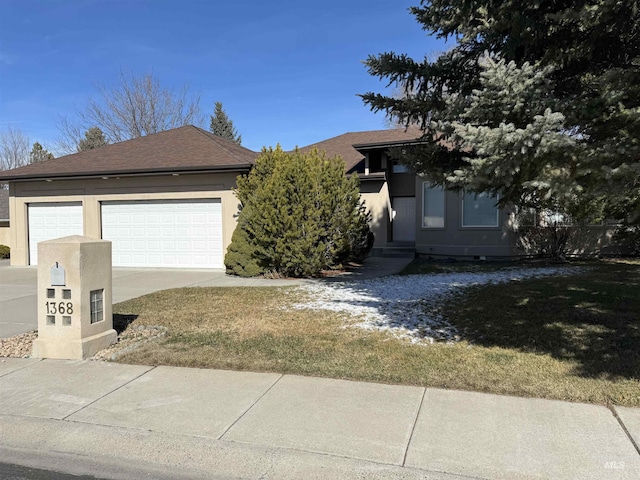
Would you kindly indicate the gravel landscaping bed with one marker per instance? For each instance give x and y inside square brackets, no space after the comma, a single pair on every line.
[20,346]
[407,306]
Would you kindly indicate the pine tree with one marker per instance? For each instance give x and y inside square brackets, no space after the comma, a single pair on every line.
[535,100]
[93,138]
[222,126]
[300,214]
[38,154]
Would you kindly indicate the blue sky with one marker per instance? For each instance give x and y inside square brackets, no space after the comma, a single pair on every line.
[286,71]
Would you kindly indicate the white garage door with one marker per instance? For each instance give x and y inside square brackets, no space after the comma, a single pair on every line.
[164,233]
[52,220]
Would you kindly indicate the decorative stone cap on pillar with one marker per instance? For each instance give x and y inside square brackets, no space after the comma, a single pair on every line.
[74,298]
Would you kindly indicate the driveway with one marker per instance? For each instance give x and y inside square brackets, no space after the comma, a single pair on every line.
[18,296]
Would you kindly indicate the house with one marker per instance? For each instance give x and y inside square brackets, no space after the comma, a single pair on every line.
[407,211]
[166,200]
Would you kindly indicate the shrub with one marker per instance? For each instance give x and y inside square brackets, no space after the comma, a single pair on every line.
[300,214]
[629,237]
[4,251]
[239,259]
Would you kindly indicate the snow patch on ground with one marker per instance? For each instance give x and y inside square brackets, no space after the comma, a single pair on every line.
[407,306]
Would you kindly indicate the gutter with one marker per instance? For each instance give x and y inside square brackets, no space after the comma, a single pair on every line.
[397,143]
[242,168]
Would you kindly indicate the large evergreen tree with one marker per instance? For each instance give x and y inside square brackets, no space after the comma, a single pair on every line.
[222,125]
[537,101]
[93,138]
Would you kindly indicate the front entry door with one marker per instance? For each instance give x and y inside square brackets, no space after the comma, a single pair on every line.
[404,219]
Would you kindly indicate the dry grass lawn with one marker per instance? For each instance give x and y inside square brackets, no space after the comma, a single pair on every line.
[569,338]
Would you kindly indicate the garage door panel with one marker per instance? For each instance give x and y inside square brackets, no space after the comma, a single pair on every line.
[47,221]
[164,233]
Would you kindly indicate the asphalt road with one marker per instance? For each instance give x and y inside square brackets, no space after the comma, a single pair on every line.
[17,472]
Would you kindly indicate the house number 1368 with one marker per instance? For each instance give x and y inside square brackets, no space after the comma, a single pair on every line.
[62,308]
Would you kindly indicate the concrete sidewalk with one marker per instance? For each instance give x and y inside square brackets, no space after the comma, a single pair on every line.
[126,421]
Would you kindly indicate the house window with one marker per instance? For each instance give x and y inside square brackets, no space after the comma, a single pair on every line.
[432,206]
[479,210]
[97,313]
[399,167]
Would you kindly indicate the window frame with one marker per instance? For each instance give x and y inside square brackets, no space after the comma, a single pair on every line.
[497,225]
[444,208]
[399,167]
[96,306]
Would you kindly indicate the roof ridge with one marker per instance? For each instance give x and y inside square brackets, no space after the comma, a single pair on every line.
[224,144]
[360,133]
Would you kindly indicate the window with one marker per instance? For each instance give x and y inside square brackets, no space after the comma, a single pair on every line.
[96,306]
[479,210]
[399,167]
[432,206]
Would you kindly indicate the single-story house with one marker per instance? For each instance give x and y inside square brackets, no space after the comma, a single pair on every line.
[408,212]
[166,200]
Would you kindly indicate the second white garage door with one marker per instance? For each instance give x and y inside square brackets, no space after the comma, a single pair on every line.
[166,233]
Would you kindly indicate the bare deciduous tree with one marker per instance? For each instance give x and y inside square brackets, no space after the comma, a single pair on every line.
[14,149]
[137,106]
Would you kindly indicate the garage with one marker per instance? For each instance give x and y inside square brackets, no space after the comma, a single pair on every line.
[164,233]
[52,220]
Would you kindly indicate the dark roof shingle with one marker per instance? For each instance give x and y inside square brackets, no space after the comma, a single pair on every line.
[343,144]
[181,149]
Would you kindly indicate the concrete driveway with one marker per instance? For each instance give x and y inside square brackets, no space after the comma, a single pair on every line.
[18,296]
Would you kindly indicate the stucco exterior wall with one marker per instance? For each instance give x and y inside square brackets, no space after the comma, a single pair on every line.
[456,240]
[5,234]
[375,194]
[91,192]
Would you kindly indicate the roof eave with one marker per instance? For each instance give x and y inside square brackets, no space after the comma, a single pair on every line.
[241,168]
[370,177]
[395,143]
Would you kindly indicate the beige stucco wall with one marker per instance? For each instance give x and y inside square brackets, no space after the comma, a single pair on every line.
[91,192]
[375,194]
[87,267]
[5,234]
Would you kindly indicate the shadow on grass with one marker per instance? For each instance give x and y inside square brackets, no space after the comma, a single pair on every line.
[591,319]
[122,321]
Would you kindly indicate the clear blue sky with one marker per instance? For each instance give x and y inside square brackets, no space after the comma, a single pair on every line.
[286,71]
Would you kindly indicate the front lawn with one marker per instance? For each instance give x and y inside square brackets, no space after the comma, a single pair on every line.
[569,337]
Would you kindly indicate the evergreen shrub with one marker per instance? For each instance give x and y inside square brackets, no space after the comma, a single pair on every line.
[300,214]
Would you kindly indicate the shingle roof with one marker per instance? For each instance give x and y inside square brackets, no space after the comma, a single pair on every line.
[343,144]
[186,148]
[4,203]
